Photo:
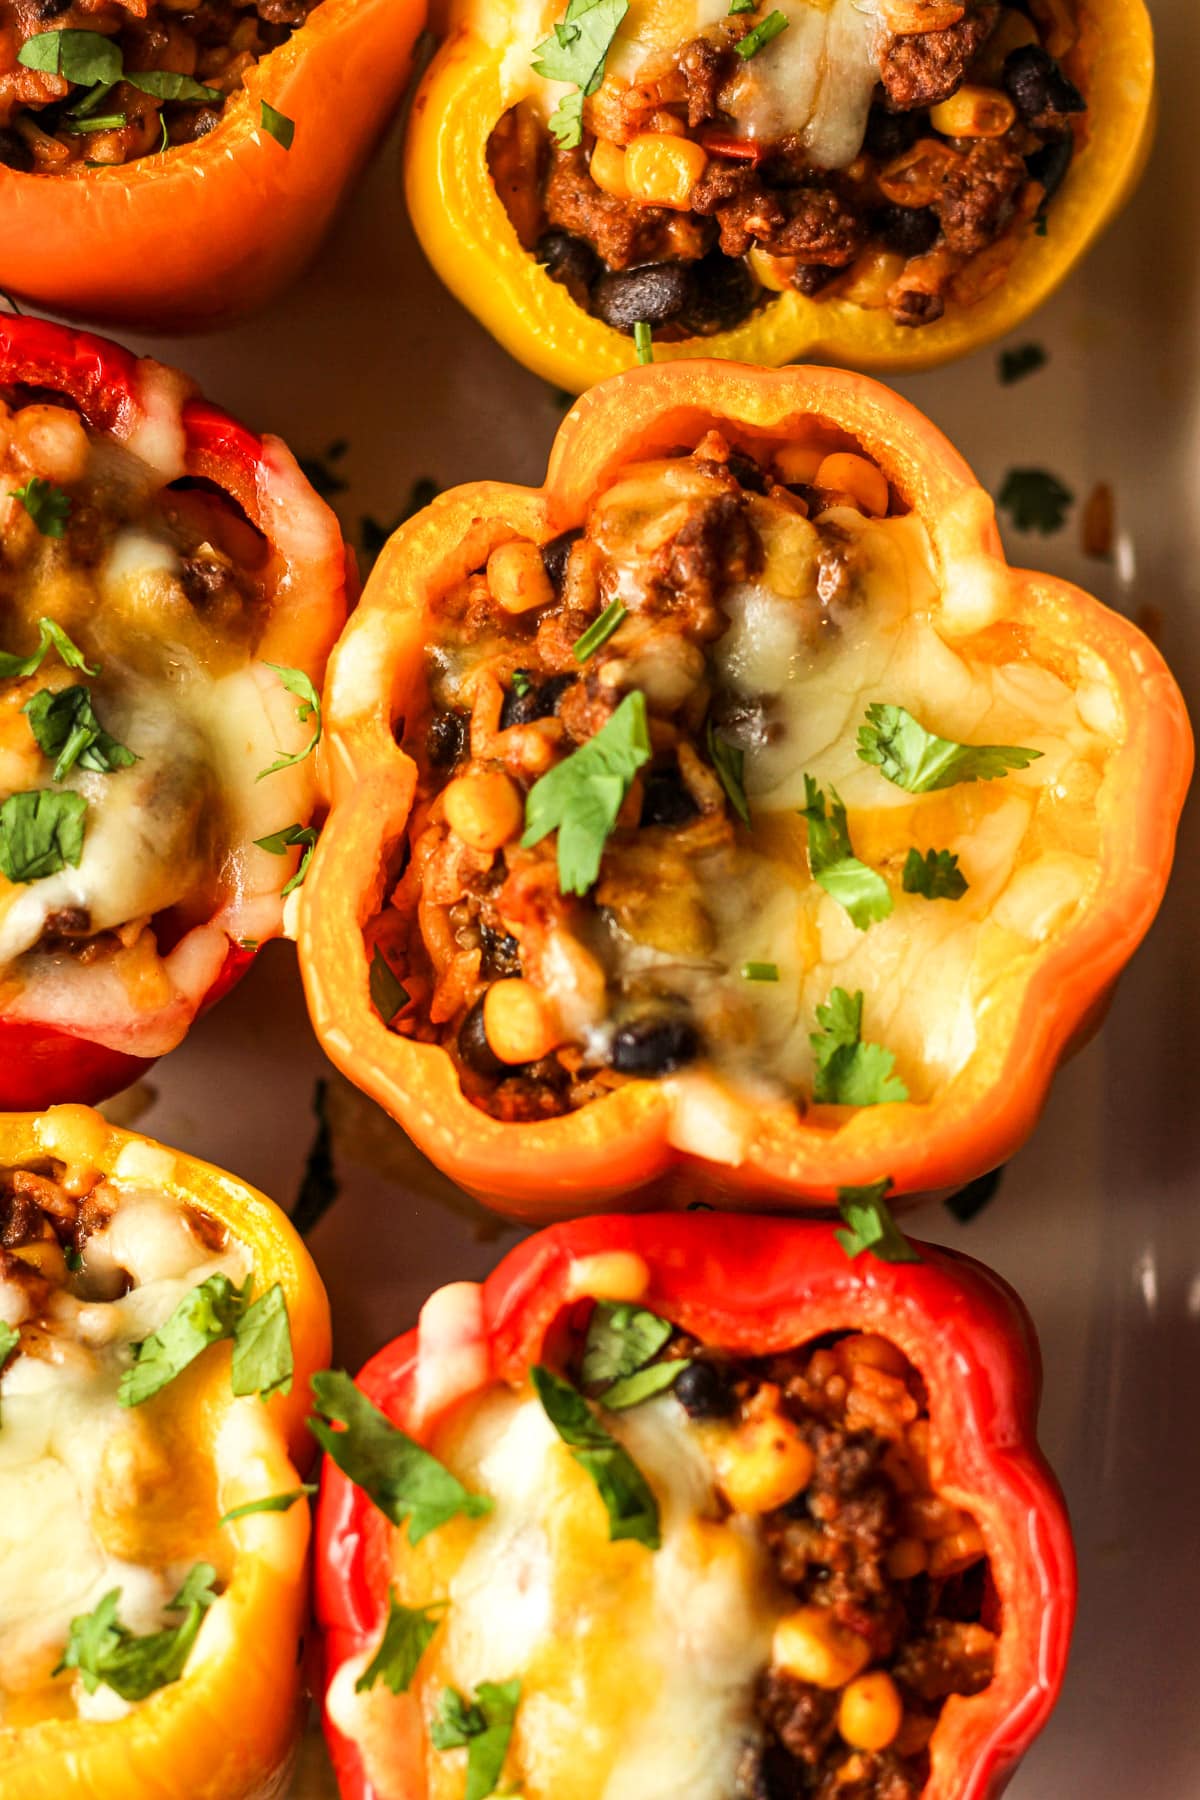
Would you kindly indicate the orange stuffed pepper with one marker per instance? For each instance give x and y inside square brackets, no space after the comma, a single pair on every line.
[881,183]
[729,802]
[159,1323]
[174,168]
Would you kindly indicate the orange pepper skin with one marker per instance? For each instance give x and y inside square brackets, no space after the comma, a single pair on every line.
[194,237]
[226,1730]
[628,1143]
[468,237]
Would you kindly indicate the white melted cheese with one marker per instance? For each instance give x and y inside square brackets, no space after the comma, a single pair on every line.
[637,1668]
[59,1423]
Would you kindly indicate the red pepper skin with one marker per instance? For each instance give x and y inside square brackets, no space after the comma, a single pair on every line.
[759,1285]
[42,1064]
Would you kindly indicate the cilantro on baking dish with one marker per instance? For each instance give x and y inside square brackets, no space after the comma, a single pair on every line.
[483,1726]
[395,1473]
[298,683]
[870,1225]
[627,1496]
[47,505]
[599,631]
[66,727]
[730,765]
[618,1357]
[575,52]
[936,875]
[270,1503]
[210,1313]
[407,1635]
[763,32]
[106,1653]
[292,837]
[861,891]
[280,127]
[41,833]
[1020,360]
[850,1072]
[319,1186]
[917,761]
[51,636]
[1037,500]
[582,795]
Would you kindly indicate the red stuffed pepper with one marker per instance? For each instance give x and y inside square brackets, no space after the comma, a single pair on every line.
[172,588]
[695,1505]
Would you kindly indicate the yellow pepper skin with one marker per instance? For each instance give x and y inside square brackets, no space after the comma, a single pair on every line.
[482,69]
[226,1730]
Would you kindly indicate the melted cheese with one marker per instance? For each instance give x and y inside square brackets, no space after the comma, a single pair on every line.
[637,1668]
[66,1446]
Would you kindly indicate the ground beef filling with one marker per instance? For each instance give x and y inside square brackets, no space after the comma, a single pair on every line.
[972,131]
[48,123]
[887,1603]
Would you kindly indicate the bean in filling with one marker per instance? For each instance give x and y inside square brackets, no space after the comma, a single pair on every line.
[893,154]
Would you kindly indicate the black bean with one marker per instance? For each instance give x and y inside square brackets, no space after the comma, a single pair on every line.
[446,739]
[665,800]
[15,153]
[539,701]
[770,1773]
[810,278]
[651,295]
[891,134]
[705,1390]
[1036,85]
[1049,165]
[474,1048]
[910,229]
[721,293]
[747,473]
[570,261]
[918,309]
[555,555]
[655,1044]
[50,9]
[501,954]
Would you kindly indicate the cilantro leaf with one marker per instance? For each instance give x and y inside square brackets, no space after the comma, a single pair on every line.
[47,505]
[861,891]
[917,761]
[165,84]
[107,1653]
[522,681]
[92,122]
[1037,500]
[575,52]
[395,1473]
[80,56]
[599,631]
[643,1384]
[388,992]
[582,795]
[206,1315]
[270,1503]
[566,122]
[759,971]
[262,1347]
[298,683]
[319,1186]
[66,727]
[729,763]
[51,636]
[936,875]
[1020,360]
[10,1337]
[407,1634]
[280,127]
[871,1225]
[484,1725]
[621,1337]
[41,832]
[627,1496]
[292,837]
[763,32]
[849,1072]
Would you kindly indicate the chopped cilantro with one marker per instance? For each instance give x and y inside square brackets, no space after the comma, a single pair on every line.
[210,1313]
[84,57]
[870,1225]
[280,127]
[1037,500]
[850,1072]
[643,341]
[483,1725]
[166,84]
[270,1503]
[582,795]
[298,683]
[599,631]
[760,971]
[388,992]
[627,1496]
[48,506]
[522,681]
[10,1337]
[407,1634]
[575,52]
[51,636]
[106,1653]
[763,32]
[66,727]
[861,891]
[262,1347]
[936,875]
[729,763]
[919,762]
[41,832]
[292,837]
[319,1184]
[80,128]
[1020,360]
[621,1338]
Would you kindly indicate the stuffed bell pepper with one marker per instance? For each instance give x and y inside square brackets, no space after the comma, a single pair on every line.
[883,183]
[159,1323]
[729,800]
[172,586]
[172,166]
[690,1505]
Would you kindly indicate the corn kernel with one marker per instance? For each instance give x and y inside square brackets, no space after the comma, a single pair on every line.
[797,464]
[607,169]
[870,1711]
[956,1551]
[518,1022]
[862,481]
[811,1645]
[662,169]
[871,277]
[517,578]
[772,272]
[764,1464]
[484,810]
[973,112]
[875,1352]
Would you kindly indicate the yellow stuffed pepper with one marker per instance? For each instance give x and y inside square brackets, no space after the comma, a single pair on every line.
[885,184]
[159,1323]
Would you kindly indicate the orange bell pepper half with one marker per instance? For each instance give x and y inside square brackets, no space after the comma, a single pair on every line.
[1040,970]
